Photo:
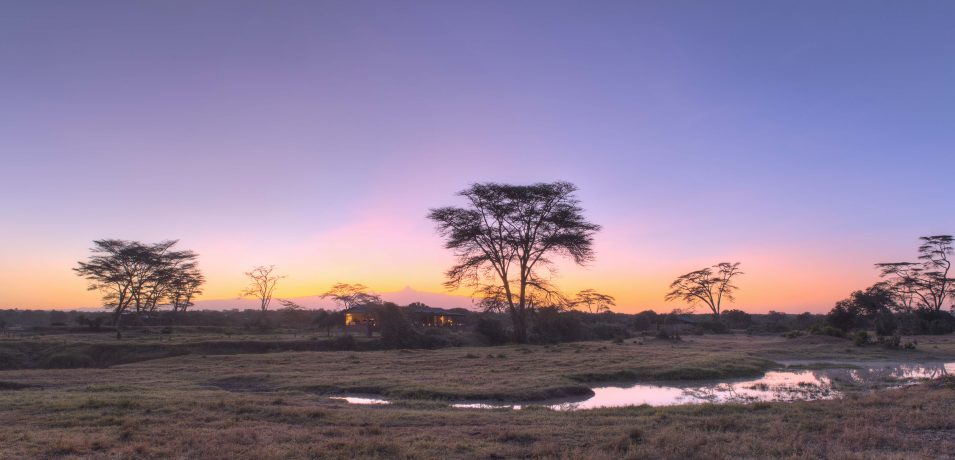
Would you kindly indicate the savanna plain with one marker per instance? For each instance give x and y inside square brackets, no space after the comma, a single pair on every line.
[228,399]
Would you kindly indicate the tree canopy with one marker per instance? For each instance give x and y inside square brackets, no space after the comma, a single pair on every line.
[141,277]
[506,238]
[924,285]
[593,301]
[709,286]
[262,282]
[348,295]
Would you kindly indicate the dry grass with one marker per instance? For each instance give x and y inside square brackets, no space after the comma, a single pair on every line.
[267,406]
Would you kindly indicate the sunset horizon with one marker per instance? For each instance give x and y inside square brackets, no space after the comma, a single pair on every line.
[477,229]
[319,142]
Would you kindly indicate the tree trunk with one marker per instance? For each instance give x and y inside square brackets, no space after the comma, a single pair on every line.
[519,321]
[118,323]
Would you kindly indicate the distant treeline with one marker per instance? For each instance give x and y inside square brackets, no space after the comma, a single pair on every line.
[320,319]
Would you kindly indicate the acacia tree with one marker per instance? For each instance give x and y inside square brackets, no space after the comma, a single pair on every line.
[504,240]
[708,286]
[262,282]
[184,286]
[140,276]
[348,295]
[593,301]
[539,294]
[924,285]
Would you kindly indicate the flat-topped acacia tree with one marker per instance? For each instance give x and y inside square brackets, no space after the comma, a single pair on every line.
[708,286]
[140,277]
[506,237]
[925,285]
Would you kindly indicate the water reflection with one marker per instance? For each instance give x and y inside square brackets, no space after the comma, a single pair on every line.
[360,400]
[774,386]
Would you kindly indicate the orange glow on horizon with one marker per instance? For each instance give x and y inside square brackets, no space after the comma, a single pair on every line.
[365,251]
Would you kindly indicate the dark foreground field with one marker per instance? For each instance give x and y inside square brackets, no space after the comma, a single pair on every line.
[276,405]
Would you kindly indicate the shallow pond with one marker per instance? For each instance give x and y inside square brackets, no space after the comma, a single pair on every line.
[361,400]
[795,383]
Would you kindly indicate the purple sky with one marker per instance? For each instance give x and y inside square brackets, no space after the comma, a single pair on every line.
[807,140]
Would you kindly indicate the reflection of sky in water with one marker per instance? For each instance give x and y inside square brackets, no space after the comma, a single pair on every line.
[773,386]
[798,385]
[361,400]
[794,385]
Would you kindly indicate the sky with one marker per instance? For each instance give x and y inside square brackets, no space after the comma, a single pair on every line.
[807,140]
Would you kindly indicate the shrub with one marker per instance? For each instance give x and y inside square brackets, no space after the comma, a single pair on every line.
[926,322]
[793,334]
[843,316]
[860,338]
[644,320]
[892,342]
[607,331]
[938,322]
[736,319]
[438,338]
[885,322]
[666,334]
[827,330]
[345,342]
[552,326]
[805,320]
[714,327]
[491,331]
[396,330]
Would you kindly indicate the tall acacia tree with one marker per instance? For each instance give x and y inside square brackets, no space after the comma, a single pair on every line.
[709,286]
[505,238]
[140,277]
[924,285]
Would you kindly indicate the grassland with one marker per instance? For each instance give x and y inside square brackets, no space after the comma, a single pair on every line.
[276,405]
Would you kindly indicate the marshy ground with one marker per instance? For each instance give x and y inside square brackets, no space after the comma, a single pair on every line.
[278,405]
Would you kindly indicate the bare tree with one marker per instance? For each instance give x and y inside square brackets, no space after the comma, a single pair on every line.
[924,285]
[506,236]
[708,286]
[593,301]
[348,295]
[262,281]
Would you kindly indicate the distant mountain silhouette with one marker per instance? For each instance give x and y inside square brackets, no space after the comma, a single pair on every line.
[402,297]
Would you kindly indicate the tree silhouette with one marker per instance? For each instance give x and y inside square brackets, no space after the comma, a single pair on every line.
[593,301]
[348,295]
[923,285]
[262,282]
[708,286]
[504,240]
[138,276]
